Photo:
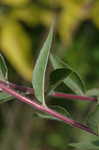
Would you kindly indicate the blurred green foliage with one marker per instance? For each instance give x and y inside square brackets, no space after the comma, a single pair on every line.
[22,25]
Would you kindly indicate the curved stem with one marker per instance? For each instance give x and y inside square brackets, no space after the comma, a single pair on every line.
[45,109]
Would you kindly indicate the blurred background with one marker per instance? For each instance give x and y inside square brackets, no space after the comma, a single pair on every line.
[24,25]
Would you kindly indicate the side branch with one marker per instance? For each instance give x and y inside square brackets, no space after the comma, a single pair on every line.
[55,94]
[73,97]
[18,87]
[45,109]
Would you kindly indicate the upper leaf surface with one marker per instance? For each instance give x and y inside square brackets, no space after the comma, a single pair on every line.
[4,97]
[93,92]
[57,76]
[93,120]
[40,68]
[3,69]
[73,81]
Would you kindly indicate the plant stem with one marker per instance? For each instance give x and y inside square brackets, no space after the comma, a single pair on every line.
[54,94]
[45,109]
[73,97]
[18,87]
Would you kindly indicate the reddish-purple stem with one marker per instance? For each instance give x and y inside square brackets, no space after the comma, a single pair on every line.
[19,87]
[55,94]
[73,97]
[45,109]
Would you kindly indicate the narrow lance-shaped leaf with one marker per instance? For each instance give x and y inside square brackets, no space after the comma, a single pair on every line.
[3,69]
[73,81]
[40,68]
[93,119]
[56,77]
[87,145]
[92,92]
[4,97]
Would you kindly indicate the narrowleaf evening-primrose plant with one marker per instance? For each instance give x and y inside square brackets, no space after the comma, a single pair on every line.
[62,73]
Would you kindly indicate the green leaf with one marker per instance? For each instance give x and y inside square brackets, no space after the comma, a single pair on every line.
[40,68]
[85,145]
[73,81]
[93,120]
[57,76]
[3,69]
[4,97]
[87,142]
[92,92]
[58,109]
